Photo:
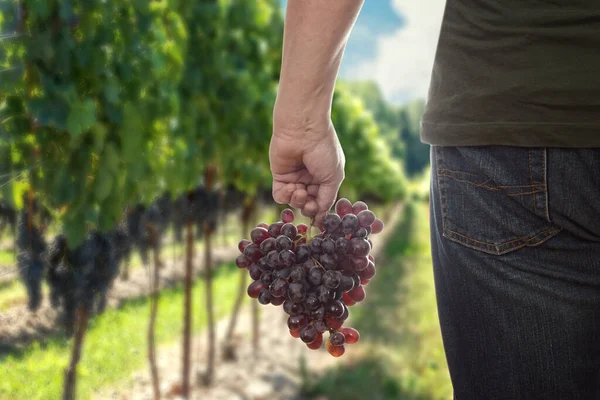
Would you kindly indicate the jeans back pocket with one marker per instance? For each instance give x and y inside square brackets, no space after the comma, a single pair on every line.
[493,198]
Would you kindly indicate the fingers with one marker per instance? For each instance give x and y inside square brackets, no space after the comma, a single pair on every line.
[299,197]
[325,199]
[282,192]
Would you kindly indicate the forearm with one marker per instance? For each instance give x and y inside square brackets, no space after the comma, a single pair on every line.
[315,36]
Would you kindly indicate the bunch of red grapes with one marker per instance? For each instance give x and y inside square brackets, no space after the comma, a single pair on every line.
[315,278]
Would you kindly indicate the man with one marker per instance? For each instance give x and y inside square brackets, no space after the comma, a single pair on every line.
[513,117]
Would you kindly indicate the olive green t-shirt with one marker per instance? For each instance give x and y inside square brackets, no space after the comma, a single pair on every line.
[516,72]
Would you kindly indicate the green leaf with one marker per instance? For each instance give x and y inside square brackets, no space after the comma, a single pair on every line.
[104,183]
[49,112]
[82,117]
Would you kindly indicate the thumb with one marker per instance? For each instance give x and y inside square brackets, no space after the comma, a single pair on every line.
[325,199]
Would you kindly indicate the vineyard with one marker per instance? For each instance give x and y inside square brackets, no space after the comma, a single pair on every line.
[134,141]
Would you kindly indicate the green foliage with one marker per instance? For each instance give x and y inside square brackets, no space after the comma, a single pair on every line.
[112,103]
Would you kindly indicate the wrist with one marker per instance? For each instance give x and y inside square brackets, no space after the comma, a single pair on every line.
[301,118]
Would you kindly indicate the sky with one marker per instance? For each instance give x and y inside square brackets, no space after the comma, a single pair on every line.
[394,43]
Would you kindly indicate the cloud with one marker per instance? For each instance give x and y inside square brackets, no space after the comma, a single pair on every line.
[403,59]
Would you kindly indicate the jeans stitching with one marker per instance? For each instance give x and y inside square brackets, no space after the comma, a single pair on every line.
[531,181]
[500,244]
[534,192]
[492,187]
[524,242]
[545,170]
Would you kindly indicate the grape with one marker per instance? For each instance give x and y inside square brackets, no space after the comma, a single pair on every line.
[268,245]
[318,313]
[259,235]
[346,283]
[314,282]
[273,259]
[286,258]
[342,245]
[337,339]
[320,325]
[328,246]
[364,282]
[284,243]
[278,287]
[351,335]
[242,261]
[358,207]
[347,300]
[255,272]
[297,274]
[297,322]
[317,343]
[302,253]
[359,262]
[275,229]
[263,225]
[333,323]
[349,224]
[331,279]
[287,215]
[287,306]
[343,207]
[367,273]
[359,247]
[334,308]
[324,294]
[289,230]
[255,288]
[331,222]
[328,261]
[360,233]
[356,279]
[297,308]
[277,301]
[315,245]
[336,351]
[242,244]
[253,252]
[365,218]
[302,228]
[262,264]
[311,301]
[264,297]
[296,291]
[283,273]
[377,226]
[357,294]
[308,334]
[338,294]
[315,275]
[345,314]
[267,278]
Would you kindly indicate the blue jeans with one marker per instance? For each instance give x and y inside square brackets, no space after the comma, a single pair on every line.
[515,236]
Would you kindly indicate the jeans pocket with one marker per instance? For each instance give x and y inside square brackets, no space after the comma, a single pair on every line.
[493,198]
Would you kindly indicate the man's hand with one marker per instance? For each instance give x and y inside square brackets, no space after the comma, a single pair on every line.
[308,170]
[307,160]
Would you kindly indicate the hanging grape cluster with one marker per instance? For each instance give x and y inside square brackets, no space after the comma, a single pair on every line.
[315,278]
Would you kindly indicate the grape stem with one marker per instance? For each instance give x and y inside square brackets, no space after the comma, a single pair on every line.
[308,233]
[318,263]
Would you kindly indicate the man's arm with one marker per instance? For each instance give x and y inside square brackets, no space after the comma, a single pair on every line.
[315,36]
[307,160]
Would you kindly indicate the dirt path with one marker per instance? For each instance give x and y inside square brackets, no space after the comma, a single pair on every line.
[19,327]
[275,373]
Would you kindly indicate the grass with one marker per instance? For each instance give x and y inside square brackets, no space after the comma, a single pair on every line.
[114,347]
[6,257]
[403,357]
